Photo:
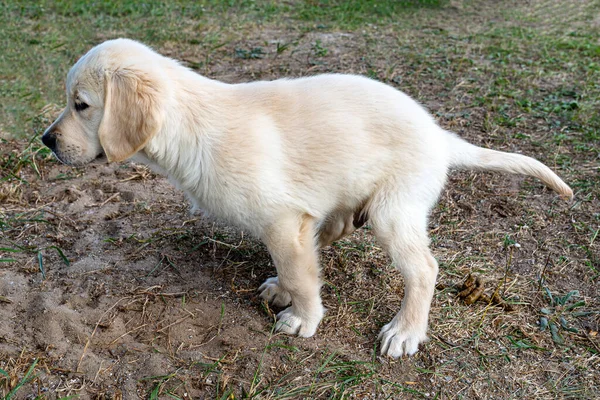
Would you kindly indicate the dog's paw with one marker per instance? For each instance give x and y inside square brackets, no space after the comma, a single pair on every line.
[397,341]
[273,293]
[288,321]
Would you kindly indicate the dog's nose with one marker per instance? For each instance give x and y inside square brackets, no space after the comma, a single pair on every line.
[49,139]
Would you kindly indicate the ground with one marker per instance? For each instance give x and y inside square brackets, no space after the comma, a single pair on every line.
[111,288]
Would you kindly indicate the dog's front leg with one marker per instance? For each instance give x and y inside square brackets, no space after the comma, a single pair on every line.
[292,244]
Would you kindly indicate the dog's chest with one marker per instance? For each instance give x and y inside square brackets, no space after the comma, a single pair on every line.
[225,200]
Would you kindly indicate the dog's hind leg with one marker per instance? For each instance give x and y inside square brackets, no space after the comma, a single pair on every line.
[401,227]
[292,244]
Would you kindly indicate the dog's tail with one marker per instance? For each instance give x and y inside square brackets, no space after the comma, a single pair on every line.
[464,155]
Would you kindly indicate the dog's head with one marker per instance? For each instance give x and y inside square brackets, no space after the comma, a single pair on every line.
[113,104]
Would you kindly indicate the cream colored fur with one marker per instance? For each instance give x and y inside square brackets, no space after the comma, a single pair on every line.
[299,163]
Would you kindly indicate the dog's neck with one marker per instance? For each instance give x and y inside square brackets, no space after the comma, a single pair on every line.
[181,149]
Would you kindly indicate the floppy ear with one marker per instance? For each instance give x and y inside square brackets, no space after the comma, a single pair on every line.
[132,113]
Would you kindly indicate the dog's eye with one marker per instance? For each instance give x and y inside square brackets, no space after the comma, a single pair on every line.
[81,106]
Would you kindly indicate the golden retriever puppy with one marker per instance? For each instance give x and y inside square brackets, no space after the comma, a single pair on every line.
[297,162]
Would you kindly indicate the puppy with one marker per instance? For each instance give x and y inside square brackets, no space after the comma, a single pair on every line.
[299,163]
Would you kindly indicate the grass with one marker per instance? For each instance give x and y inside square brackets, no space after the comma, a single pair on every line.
[43,39]
[334,377]
[519,78]
[12,379]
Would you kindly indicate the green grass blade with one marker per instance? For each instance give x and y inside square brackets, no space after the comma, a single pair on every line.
[24,381]
[580,303]
[41,264]
[154,394]
[9,250]
[549,294]
[226,395]
[566,298]
[61,254]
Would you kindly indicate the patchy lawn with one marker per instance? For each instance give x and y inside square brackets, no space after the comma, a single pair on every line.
[110,288]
